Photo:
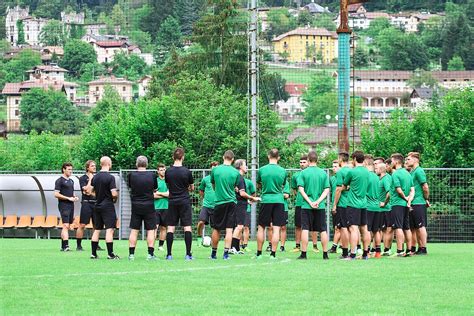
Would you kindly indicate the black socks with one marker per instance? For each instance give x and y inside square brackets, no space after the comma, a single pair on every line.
[169,242]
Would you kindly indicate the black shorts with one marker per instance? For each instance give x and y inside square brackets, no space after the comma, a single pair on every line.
[179,214]
[418,216]
[248,219]
[240,213]
[104,218]
[161,217]
[86,212]
[272,213]
[400,217]
[387,220]
[313,220]
[356,216]
[148,218]
[224,216]
[342,217]
[298,216]
[206,215]
[374,221]
[67,215]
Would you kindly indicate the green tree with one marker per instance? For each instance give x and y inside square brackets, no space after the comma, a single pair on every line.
[324,21]
[49,9]
[422,78]
[52,34]
[279,21]
[76,31]
[321,108]
[21,33]
[76,54]
[361,57]
[443,132]
[142,39]
[304,18]
[188,12]
[110,102]
[377,26]
[457,38]
[91,71]
[158,11]
[3,31]
[400,51]
[456,63]
[169,34]
[14,70]
[49,111]
[131,66]
[118,17]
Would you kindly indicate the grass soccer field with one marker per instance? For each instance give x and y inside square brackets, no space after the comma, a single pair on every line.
[36,278]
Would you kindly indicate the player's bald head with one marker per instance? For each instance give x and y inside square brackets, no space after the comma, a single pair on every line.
[105,161]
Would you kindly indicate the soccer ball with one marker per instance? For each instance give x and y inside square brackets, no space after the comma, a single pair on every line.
[206,241]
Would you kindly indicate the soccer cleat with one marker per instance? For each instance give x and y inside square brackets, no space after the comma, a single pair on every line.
[131,257]
[188,258]
[333,250]
[65,249]
[94,257]
[113,257]
[301,258]
[282,249]
[315,250]
[160,248]
[348,258]
[169,257]
[325,257]
[99,248]
[234,251]
[387,253]
[213,257]
[295,250]
[378,255]
[269,248]
[79,248]
[246,249]
[151,257]
[398,255]
[226,257]
[259,257]
[360,252]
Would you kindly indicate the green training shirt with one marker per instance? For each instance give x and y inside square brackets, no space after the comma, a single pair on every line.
[401,178]
[209,194]
[249,189]
[161,204]
[294,186]
[358,180]
[419,178]
[340,175]
[286,190]
[273,179]
[225,178]
[373,203]
[385,186]
[314,181]
[332,184]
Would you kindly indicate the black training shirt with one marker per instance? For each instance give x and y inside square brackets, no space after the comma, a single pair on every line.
[66,188]
[83,181]
[103,183]
[241,186]
[178,180]
[142,185]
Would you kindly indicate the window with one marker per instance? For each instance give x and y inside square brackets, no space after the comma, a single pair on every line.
[17,112]
[17,102]
[124,88]
[97,88]
[71,96]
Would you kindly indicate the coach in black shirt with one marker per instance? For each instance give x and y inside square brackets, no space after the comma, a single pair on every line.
[143,185]
[104,213]
[180,181]
[64,192]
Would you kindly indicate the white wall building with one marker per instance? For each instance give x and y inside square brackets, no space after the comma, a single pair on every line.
[292,109]
[143,84]
[11,28]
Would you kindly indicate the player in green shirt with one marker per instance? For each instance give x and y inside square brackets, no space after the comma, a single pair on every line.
[161,205]
[340,202]
[224,178]
[374,212]
[298,202]
[241,209]
[272,179]
[250,189]
[420,203]
[385,187]
[400,200]
[333,185]
[313,184]
[357,180]
[206,192]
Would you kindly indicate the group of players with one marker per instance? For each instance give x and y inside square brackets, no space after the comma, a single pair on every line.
[371,200]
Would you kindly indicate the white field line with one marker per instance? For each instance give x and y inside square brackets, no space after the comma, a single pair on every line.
[81,274]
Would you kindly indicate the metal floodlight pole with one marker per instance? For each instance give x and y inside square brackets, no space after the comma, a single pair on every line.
[253,75]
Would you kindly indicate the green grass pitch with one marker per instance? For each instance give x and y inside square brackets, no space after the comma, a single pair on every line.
[36,278]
